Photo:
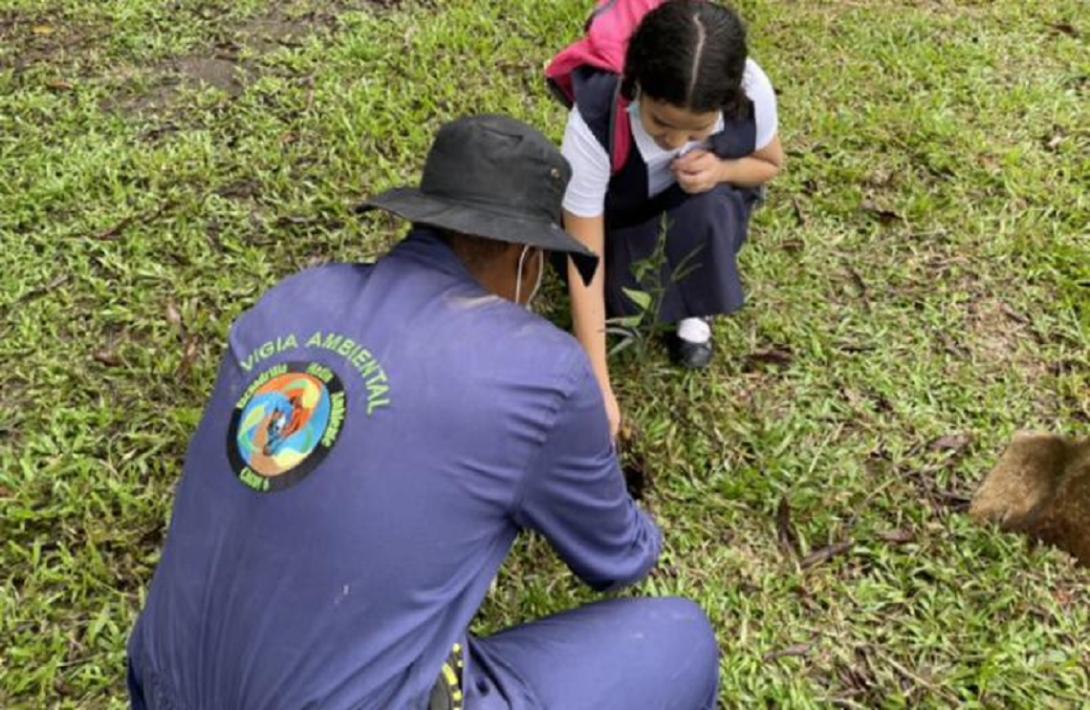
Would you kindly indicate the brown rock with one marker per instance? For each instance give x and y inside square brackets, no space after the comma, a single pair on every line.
[1041,487]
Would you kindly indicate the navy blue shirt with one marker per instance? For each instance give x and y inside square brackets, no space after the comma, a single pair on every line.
[376,439]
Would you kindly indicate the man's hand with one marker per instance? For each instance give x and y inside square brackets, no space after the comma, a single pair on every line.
[698,171]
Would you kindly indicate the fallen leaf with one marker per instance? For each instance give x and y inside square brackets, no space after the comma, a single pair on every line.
[159,131]
[1067,367]
[951,442]
[189,357]
[952,347]
[290,219]
[42,30]
[824,554]
[173,316]
[849,347]
[800,216]
[114,231]
[779,357]
[667,571]
[859,677]
[785,530]
[59,85]
[858,281]
[1066,28]
[884,216]
[109,358]
[325,221]
[1013,314]
[793,246]
[881,402]
[860,286]
[880,178]
[240,188]
[798,649]
[899,536]
[958,501]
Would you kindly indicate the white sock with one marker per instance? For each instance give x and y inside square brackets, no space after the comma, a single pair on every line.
[694,330]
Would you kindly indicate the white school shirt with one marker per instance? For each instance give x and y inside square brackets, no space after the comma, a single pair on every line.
[591,169]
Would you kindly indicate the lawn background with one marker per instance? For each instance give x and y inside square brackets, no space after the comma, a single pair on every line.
[919,290]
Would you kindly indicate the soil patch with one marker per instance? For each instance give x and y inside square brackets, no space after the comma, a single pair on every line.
[223,65]
[996,333]
[280,28]
[222,73]
[27,40]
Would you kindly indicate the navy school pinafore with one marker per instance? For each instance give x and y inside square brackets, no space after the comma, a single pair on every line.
[704,233]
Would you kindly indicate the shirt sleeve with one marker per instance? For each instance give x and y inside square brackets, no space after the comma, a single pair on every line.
[586,194]
[576,496]
[759,90]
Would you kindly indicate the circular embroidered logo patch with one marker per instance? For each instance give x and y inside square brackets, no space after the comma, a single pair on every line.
[285,424]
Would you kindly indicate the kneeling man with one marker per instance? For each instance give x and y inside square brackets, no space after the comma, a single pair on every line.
[377,437]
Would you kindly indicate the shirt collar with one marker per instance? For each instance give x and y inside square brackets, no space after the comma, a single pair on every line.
[423,244]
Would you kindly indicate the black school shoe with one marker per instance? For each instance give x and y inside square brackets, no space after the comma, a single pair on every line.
[690,355]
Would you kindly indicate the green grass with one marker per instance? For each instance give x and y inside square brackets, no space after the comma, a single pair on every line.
[924,261]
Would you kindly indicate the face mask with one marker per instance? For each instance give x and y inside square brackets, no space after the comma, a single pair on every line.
[540,275]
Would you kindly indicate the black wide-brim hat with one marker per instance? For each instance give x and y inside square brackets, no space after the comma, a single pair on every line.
[492,177]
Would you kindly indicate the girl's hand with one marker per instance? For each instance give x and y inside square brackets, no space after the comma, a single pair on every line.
[613,412]
[698,171]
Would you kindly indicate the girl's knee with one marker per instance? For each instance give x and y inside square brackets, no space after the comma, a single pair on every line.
[722,207]
[701,202]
